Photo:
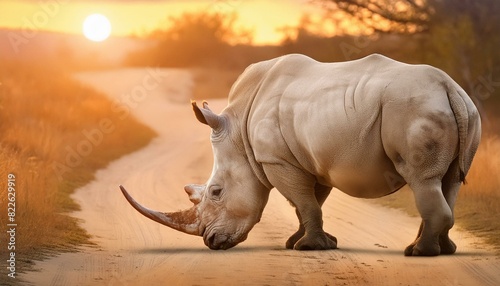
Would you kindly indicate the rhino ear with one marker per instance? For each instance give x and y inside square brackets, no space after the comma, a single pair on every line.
[195,192]
[206,116]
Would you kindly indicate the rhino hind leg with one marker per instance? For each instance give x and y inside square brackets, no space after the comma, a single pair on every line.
[321,193]
[437,220]
[446,245]
[409,248]
[450,185]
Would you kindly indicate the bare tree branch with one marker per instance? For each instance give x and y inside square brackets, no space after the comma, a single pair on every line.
[387,15]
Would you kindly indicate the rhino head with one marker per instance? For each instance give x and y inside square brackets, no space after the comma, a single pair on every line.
[231,202]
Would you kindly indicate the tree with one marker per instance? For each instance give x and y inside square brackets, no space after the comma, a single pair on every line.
[385,15]
[193,39]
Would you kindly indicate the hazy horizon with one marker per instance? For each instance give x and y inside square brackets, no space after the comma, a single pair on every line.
[135,18]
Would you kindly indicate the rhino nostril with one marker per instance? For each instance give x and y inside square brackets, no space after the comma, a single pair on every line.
[211,240]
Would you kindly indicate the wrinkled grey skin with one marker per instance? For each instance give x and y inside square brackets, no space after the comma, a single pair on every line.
[366,127]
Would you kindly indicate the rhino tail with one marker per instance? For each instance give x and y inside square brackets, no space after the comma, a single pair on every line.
[459,108]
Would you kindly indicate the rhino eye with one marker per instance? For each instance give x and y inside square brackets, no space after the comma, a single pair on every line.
[215,192]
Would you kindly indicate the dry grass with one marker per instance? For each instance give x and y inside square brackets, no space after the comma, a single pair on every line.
[42,114]
[478,205]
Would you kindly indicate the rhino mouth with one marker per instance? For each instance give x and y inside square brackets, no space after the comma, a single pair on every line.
[218,241]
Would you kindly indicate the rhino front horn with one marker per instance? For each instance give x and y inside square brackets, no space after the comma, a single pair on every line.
[186,221]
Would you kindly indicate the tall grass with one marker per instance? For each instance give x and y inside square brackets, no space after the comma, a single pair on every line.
[43,113]
[478,204]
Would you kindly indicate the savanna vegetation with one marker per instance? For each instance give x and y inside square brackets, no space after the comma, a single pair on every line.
[460,37]
[55,134]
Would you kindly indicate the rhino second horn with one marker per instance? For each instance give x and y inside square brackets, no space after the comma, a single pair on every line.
[186,221]
[195,192]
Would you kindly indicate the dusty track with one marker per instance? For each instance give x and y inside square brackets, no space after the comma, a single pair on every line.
[133,250]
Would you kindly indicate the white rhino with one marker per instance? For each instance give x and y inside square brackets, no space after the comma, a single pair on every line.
[366,127]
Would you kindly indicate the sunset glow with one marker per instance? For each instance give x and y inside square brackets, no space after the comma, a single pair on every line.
[264,18]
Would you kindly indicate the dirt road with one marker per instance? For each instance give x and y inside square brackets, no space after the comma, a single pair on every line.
[133,250]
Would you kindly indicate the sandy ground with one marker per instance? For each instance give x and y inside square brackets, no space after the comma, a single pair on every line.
[133,250]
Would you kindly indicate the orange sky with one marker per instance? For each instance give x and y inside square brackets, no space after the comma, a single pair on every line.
[137,17]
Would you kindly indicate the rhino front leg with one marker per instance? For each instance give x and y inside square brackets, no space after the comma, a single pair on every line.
[321,192]
[299,188]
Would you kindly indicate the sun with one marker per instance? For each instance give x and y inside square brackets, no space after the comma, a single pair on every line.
[96,27]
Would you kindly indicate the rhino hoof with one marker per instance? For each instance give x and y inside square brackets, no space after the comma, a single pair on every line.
[447,245]
[418,250]
[290,243]
[332,238]
[316,242]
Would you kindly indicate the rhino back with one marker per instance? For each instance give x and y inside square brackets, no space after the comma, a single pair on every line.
[326,117]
